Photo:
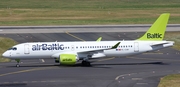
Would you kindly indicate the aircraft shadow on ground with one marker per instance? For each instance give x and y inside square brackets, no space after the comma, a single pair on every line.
[102,65]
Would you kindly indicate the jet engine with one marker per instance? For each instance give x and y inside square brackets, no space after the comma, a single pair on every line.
[67,59]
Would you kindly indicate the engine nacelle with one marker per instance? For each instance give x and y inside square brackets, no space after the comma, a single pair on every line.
[68,59]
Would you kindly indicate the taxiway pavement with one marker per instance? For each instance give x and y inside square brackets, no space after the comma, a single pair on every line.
[82,28]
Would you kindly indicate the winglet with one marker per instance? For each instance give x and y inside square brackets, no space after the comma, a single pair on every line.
[99,39]
[116,45]
[157,30]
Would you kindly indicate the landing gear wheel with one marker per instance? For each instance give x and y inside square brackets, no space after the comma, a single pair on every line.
[17,60]
[86,63]
[17,65]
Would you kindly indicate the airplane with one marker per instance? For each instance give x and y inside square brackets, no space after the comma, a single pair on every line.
[69,53]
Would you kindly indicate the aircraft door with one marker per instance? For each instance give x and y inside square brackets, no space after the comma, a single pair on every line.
[136,47]
[26,48]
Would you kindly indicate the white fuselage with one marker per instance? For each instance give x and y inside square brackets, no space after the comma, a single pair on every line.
[83,49]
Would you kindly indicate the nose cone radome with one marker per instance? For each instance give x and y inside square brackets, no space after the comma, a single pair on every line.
[5,54]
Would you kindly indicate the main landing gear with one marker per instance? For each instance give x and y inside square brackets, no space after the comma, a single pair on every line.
[86,63]
[17,60]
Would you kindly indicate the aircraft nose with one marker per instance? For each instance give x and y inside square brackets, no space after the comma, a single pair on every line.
[5,54]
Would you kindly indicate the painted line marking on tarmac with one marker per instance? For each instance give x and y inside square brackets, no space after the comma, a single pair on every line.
[34,81]
[106,59]
[23,71]
[15,82]
[152,53]
[43,81]
[42,60]
[151,59]
[124,75]
[142,83]
[25,82]
[74,36]
[6,82]
[136,78]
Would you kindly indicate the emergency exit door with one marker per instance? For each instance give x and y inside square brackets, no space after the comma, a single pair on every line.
[136,47]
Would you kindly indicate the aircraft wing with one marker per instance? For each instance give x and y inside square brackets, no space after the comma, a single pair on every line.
[84,53]
[99,39]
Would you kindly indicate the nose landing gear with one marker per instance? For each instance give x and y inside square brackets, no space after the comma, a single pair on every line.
[17,60]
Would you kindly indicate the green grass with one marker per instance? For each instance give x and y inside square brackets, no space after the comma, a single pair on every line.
[170,81]
[174,36]
[83,12]
[5,43]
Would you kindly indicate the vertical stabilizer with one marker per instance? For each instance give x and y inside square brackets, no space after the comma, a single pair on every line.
[157,30]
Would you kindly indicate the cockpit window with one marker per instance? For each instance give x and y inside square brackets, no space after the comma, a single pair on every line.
[13,48]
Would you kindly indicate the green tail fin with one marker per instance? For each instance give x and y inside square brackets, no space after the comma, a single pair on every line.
[157,30]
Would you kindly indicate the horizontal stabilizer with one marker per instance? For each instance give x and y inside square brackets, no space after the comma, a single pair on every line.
[162,43]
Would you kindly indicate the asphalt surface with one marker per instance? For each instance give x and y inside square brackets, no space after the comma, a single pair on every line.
[143,70]
[82,28]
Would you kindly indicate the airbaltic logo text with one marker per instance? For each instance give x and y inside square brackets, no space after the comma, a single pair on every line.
[67,60]
[38,47]
[155,35]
